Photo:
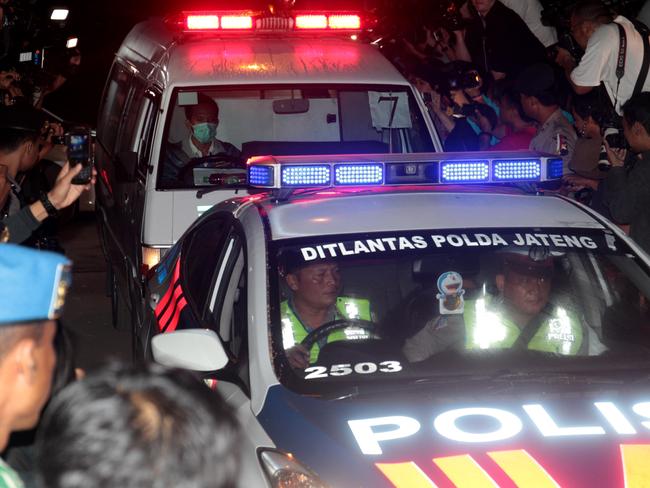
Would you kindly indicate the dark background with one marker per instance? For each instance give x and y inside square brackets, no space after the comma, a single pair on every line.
[101,25]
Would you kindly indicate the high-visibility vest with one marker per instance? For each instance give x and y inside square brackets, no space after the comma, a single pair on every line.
[559,333]
[293,331]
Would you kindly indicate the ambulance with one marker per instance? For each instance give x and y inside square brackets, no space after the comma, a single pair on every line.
[277,82]
[477,330]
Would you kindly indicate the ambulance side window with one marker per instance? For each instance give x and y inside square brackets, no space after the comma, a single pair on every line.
[138,125]
[112,112]
[128,134]
[203,248]
[150,111]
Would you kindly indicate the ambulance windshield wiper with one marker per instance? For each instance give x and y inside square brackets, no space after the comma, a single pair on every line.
[210,189]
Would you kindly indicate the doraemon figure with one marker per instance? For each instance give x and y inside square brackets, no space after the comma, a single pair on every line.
[450,285]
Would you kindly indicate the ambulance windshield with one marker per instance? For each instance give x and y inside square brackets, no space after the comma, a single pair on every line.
[211,132]
[362,310]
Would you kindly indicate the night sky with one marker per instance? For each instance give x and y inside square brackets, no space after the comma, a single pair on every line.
[102,25]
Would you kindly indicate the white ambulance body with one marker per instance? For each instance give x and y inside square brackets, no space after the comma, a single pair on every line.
[280,88]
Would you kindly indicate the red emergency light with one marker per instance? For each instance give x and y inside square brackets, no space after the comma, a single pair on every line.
[236,22]
[310,21]
[331,21]
[215,21]
[221,21]
[202,22]
[352,22]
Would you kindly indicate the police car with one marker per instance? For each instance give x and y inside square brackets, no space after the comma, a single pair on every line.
[414,320]
[190,97]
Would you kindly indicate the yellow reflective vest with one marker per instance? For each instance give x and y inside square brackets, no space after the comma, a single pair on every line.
[485,328]
[293,331]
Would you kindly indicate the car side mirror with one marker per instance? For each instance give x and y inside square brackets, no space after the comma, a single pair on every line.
[127,161]
[193,349]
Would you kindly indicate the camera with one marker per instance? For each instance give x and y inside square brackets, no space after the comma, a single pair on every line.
[459,76]
[603,160]
[451,19]
[615,138]
[467,110]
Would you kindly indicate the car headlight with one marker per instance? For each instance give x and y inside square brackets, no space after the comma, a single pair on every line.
[284,471]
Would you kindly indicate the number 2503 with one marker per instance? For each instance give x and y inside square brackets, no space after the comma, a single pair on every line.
[315,372]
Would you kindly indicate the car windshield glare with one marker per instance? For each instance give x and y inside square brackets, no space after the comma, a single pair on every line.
[212,132]
[351,311]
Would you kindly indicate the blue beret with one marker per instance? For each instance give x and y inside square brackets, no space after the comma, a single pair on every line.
[33,284]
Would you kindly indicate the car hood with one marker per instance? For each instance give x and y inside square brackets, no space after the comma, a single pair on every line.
[412,440]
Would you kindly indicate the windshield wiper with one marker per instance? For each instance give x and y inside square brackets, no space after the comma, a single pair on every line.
[210,189]
[555,377]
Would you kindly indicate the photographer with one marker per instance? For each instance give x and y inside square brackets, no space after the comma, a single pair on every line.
[589,155]
[614,53]
[20,146]
[460,109]
[498,40]
[627,189]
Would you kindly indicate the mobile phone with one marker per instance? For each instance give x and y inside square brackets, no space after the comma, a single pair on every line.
[78,142]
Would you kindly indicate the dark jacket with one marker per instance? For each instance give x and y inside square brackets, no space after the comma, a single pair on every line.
[176,159]
[21,225]
[627,195]
[503,42]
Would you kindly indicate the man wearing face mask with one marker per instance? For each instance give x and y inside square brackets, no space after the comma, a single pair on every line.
[202,120]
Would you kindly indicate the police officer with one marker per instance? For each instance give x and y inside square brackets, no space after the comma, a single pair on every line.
[32,290]
[314,301]
[521,317]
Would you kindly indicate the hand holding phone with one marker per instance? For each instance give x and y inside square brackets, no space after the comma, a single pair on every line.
[78,142]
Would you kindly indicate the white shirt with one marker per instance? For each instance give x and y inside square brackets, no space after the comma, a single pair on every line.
[600,59]
[192,151]
[531,13]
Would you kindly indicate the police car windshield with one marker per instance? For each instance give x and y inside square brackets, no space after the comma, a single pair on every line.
[232,124]
[358,310]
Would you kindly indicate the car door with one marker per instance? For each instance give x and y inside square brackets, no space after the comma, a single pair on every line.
[178,293]
[136,144]
[110,120]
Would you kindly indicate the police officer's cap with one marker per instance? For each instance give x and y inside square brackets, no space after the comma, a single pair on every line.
[20,117]
[290,261]
[33,284]
[533,260]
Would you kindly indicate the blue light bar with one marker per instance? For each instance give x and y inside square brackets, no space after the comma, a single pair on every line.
[513,170]
[555,168]
[358,174]
[260,175]
[308,175]
[464,171]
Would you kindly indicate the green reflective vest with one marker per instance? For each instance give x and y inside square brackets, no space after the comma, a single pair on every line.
[293,331]
[560,333]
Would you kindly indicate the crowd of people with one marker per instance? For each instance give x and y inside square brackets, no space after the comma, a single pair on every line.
[493,78]
[177,431]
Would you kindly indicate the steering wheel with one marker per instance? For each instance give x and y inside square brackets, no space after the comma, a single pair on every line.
[329,327]
[219,160]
